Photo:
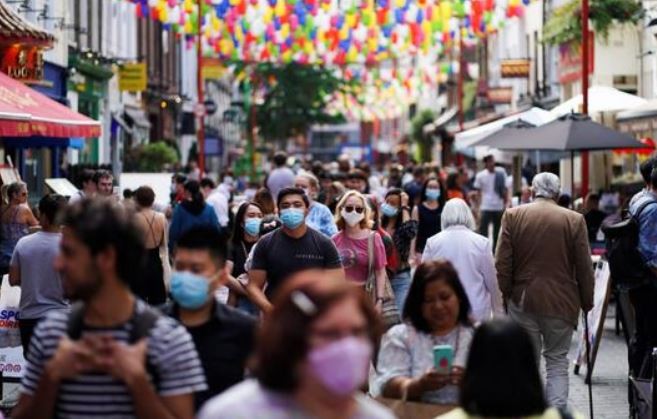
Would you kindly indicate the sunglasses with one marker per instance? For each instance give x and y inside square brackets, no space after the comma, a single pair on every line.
[349,208]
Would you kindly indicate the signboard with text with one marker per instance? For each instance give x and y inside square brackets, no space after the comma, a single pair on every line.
[132,77]
[22,62]
[500,95]
[570,60]
[512,69]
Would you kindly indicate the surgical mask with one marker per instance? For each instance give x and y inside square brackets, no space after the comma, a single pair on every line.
[292,217]
[189,290]
[351,218]
[433,194]
[341,366]
[252,226]
[388,210]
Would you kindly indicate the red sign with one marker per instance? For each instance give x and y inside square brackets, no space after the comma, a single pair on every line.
[570,60]
[22,62]
[500,95]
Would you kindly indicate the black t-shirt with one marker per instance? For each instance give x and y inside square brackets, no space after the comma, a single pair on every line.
[224,345]
[281,255]
[239,255]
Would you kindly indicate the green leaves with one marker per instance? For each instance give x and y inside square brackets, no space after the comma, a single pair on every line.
[295,97]
[565,23]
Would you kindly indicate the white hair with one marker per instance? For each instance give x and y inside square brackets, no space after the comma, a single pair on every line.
[546,185]
[457,213]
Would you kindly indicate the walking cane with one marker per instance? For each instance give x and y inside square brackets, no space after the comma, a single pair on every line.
[588,364]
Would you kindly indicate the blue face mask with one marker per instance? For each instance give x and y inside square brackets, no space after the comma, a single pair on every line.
[189,290]
[433,194]
[292,217]
[388,210]
[252,226]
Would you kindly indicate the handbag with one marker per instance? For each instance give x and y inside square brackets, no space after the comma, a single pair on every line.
[389,311]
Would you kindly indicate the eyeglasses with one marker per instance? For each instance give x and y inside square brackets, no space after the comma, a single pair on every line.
[350,208]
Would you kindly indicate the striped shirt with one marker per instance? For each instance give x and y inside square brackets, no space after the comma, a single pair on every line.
[170,351]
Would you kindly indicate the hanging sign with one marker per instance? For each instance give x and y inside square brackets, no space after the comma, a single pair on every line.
[570,60]
[132,77]
[515,68]
[500,95]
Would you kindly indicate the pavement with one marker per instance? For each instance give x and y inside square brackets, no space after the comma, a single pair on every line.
[609,376]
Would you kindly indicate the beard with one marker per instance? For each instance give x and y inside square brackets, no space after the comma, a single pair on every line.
[83,291]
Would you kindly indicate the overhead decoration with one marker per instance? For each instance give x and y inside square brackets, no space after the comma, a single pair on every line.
[395,48]
[327,31]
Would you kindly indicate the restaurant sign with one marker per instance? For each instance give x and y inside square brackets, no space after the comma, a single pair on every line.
[22,62]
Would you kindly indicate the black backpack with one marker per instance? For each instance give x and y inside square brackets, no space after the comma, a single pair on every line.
[626,264]
[142,322]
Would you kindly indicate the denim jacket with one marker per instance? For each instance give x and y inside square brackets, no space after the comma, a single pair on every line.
[647,226]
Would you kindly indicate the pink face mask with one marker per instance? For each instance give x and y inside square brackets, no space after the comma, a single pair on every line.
[341,366]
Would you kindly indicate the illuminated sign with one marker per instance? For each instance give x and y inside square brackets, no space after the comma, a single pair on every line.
[22,62]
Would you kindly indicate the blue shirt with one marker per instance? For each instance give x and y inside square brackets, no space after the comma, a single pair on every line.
[647,226]
[320,218]
[183,221]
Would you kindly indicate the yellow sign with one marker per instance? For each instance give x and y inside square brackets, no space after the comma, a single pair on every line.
[212,69]
[132,77]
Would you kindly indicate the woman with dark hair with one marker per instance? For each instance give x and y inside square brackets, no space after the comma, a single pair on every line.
[192,212]
[427,214]
[248,222]
[505,382]
[454,189]
[402,228]
[437,312]
[16,219]
[312,356]
[153,226]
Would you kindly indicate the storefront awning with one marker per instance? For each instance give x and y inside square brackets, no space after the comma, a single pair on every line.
[24,112]
[138,117]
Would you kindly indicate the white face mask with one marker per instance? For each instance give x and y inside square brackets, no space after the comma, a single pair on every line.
[352,218]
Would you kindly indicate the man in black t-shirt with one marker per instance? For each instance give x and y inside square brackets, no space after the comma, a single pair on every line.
[223,336]
[292,248]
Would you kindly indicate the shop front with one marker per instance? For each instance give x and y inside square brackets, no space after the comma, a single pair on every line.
[88,84]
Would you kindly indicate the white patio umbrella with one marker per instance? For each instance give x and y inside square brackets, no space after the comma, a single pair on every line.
[601,99]
[534,116]
[463,141]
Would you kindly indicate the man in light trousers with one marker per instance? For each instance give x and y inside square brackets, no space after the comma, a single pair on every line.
[545,274]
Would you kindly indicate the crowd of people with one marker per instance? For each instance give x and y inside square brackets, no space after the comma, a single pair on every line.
[299,297]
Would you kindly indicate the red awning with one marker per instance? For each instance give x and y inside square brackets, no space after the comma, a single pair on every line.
[24,112]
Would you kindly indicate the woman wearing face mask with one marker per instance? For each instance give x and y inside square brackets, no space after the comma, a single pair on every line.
[427,215]
[402,228]
[436,313]
[356,242]
[192,212]
[312,356]
[245,235]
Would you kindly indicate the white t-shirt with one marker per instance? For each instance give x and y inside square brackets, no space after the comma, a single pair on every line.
[490,200]
[219,202]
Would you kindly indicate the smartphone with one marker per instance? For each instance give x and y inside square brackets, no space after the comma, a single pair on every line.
[443,358]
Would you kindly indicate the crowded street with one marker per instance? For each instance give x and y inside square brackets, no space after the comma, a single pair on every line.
[330,209]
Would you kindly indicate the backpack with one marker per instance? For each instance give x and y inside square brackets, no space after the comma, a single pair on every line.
[142,323]
[626,264]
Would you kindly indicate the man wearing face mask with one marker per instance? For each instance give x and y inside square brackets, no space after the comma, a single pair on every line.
[319,217]
[223,336]
[292,248]
[112,355]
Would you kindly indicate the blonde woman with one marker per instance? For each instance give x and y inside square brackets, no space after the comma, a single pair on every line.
[354,241]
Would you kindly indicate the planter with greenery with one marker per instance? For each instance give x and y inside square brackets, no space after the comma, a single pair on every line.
[565,23]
